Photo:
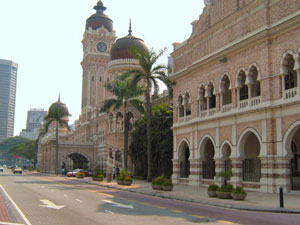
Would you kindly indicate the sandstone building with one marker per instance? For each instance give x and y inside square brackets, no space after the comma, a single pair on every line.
[97,139]
[236,98]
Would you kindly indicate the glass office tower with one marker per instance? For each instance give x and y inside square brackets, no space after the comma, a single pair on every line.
[8,83]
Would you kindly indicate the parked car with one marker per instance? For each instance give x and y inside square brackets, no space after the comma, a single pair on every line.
[1,169]
[17,170]
[73,173]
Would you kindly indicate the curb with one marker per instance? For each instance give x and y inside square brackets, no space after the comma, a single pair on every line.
[228,206]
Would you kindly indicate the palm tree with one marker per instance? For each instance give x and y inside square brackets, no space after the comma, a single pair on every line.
[124,94]
[58,115]
[148,77]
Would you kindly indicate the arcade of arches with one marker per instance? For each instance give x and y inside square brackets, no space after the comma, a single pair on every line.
[247,162]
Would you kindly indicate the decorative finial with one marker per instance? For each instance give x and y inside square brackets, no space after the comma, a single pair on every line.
[100,7]
[130,31]
[59,97]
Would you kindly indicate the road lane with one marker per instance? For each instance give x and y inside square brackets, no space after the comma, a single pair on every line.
[86,204]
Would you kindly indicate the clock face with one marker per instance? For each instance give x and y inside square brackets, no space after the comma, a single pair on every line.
[102,47]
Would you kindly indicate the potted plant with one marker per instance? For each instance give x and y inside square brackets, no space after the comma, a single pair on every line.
[98,177]
[225,175]
[127,180]
[80,175]
[120,180]
[224,192]
[157,183]
[167,185]
[212,189]
[238,193]
[98,174]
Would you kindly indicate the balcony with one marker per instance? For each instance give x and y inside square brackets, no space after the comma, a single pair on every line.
[227,108]
[290,93]
[250,102]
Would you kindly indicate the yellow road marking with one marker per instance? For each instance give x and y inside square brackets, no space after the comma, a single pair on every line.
[198,216]
[177,211]
[223,221]
[160,207]
[107,195]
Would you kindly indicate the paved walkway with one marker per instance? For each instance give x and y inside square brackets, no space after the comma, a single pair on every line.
[255,201]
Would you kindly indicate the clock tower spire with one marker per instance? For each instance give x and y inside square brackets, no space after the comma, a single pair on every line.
[98,39]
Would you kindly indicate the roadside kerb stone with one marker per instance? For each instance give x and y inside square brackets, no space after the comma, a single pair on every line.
[216,204]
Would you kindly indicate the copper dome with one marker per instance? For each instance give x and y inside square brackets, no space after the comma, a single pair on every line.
[99,19]
[121,49]
[59,106]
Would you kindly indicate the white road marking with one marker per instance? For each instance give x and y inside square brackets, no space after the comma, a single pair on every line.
[109,211]
[66,196]
[78,200]
[6,223]
[118,204]
[51,205]
[15,205]
[52,190]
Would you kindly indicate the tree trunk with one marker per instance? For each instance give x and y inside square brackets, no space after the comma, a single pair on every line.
[56,153]
[148,109]
[125,138]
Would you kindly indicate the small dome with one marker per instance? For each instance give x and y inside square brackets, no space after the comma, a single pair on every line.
[99,19]
[121,49]
[59,105]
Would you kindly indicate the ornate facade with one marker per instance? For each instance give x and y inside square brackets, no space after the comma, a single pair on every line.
[98,138]
[237,98]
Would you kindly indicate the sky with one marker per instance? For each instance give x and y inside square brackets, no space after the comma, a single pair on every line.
[44,38]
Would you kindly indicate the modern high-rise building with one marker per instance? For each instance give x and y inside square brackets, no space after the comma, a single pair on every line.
[34,119]
[8,83]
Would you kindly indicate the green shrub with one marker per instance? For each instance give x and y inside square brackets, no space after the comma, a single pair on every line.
[80,174]
[213,187]
[120,178]
[158,180]
[167,182]
[225,188]
[239,190]
[29,168]
[127,178]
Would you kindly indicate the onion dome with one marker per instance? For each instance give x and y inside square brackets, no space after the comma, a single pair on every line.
[99,19]
[59,105]
[121,49]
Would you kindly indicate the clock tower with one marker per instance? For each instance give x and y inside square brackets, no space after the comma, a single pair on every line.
[97,42]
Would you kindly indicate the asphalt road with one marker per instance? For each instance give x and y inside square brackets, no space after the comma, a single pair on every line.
[67,201]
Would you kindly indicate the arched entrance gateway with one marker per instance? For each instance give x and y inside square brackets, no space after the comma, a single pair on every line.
[249,153]
[292,147]
[208,163]
[75,161]
[184,155]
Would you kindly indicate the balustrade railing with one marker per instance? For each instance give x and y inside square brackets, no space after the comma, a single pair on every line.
[290,93]
[211,112]
[255,101]
[243,103]
[227,108]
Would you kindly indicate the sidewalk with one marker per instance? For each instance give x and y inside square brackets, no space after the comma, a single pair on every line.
[255,201]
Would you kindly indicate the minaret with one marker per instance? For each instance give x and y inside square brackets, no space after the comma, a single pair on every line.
[98,39]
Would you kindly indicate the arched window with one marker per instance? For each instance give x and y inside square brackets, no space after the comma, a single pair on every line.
[290,76]
[211,96]
[180,106]
[187,103]
[202,99]
[254,82]
[119,122]
[225,91]
[243,88]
